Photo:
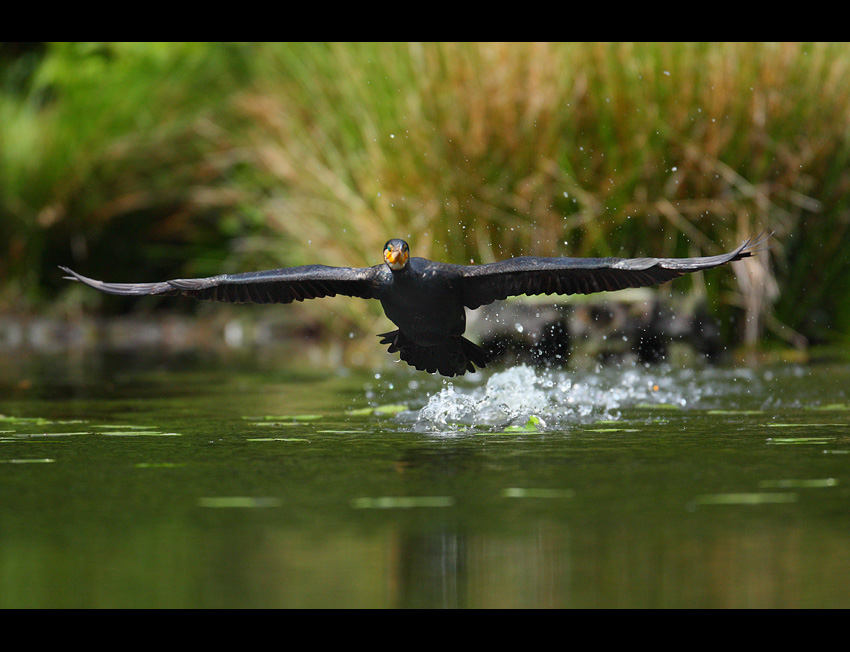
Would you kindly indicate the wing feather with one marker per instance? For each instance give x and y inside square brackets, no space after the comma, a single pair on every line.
[273,286]
[483,284]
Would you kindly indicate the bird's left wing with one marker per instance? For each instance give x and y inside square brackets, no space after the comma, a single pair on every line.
[273,286]
[483,284]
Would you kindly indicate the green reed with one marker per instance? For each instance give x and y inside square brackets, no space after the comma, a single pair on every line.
[230,156]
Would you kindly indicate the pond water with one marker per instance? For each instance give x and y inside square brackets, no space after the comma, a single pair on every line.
[171,482]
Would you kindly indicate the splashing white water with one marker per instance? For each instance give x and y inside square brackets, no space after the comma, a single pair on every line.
[561,398]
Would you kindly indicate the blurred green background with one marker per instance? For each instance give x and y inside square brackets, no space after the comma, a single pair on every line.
[147,161]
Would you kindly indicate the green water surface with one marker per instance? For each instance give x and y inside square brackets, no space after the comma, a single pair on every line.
[165,483]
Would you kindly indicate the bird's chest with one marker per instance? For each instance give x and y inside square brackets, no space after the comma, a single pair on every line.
[425,305]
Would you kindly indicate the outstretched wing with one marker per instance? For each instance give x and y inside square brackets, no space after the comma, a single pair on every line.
[483,284]
[273,286]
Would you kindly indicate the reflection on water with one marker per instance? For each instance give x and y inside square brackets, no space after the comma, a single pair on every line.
[130,482]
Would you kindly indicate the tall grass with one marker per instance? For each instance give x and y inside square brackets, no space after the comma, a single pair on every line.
[241,155]
[107,149]
[480,151]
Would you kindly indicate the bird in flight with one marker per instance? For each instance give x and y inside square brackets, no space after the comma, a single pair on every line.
[427,300]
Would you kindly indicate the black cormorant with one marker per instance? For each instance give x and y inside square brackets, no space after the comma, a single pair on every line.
[427,300]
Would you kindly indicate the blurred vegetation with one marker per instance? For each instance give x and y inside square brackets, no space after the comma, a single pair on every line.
[144,161]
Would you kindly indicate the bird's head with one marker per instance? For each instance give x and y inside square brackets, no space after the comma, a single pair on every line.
[396,254]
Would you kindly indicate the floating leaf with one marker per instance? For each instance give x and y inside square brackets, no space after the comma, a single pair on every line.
[286,417]
[120,426]
[141,433]
[798,440]
[402,502]
[793,484]
[658,406]
[492,433]
[734,412]
[759,498]
[381,409]
[830,407]
[159,465]
[804,425]
[274,424]
[238,501]
[391,409]
[530,425]
[39,421]
[276,439]
[519,492]
[37,435]
[37,460]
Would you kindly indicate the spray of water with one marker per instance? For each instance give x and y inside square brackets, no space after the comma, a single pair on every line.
[558,399]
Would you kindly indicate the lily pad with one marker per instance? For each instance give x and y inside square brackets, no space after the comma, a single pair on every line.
[803,425]
[392,408]
[37,460]
[120,426]
[274,424]
[735,412]
[798,440]
[402,502]
[286,417]
[830,407]
[493,433]
[791,483]
[238,501]
[140,433]
[38,421]
[42,435]
[533,492]
[276,439]
[755,498]
[530,426]
[658,406]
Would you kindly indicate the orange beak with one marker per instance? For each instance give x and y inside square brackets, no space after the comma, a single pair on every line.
[396,258]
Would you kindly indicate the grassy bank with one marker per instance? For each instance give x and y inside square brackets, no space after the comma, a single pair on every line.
[143,161]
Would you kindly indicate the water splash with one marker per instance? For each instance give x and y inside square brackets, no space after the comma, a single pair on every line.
[563,398]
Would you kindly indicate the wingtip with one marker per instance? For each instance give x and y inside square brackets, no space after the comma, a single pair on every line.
[753,245]
[72,275]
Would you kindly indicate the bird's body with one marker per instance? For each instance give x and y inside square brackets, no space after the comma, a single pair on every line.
[427,300]
[413,296]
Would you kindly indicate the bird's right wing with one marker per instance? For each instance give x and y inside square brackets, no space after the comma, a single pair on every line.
[272,286]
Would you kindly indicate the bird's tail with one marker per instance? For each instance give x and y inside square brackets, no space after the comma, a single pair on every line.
[454,357]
